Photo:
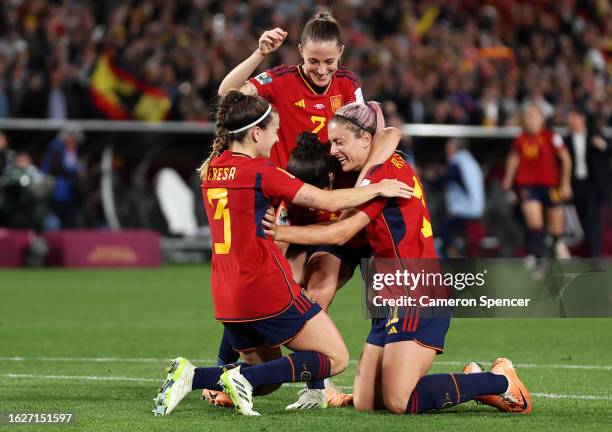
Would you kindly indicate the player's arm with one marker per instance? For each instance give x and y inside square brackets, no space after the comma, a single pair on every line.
[383,146]
[340,199]
[269,42]
[337,233]
[565,188]
[512,163]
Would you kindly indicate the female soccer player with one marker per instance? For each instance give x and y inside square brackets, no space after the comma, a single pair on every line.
[541,184]
[305,97]
[399,351]
[254,294]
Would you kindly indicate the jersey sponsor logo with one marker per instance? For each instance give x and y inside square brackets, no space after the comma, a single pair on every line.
[359,96]
[300,103]
[263,78]
[319,106]
[335,102]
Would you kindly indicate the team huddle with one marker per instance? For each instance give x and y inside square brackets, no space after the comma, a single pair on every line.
[304,181]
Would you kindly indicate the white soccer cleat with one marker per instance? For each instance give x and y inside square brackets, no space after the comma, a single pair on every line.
[175,388]
[239,390]
[309,399]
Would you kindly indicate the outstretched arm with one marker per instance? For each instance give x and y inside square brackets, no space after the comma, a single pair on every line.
[340,199]
[237,79]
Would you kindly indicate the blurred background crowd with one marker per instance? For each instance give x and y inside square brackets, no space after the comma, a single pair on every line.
[463,62]
[457,61]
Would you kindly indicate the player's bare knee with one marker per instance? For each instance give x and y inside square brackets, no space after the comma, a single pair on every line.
[339,361]
[396,403]
[362,404]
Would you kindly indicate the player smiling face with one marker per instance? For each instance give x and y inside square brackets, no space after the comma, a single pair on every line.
[265,138]
[350,149]
[321,60]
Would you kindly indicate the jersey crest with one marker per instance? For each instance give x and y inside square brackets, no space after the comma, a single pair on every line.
[335,102]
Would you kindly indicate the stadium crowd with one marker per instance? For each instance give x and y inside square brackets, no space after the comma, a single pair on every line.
[460,62]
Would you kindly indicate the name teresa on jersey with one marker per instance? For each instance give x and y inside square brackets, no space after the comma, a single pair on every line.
[222,173]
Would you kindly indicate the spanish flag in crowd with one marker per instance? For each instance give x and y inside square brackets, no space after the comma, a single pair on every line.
[121,96]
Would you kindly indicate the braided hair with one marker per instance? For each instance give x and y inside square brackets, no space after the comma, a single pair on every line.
[235,111]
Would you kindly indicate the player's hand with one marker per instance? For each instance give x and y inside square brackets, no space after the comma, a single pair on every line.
[565,192]
[391,188]
[271,40]
[506,184]
[269,222]
[599,143]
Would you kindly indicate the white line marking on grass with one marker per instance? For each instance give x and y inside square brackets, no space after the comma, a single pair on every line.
[81,377]
[571,396]
[213,361]
[134,379]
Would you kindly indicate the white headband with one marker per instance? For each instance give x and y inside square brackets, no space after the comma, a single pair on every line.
[250,125]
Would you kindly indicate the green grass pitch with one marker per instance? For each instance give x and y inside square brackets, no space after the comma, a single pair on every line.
[94,343]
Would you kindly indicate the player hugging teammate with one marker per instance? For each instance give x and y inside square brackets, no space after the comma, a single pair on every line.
[254,292]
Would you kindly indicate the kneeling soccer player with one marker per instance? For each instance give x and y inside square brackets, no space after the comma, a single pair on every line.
[399,352]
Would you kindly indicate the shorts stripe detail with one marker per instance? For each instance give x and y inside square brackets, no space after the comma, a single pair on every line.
[456,388]
[298,306]
[303,302]
[292,368]
[417,317]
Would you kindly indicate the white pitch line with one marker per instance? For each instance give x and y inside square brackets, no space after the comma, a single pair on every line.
[209,360]
[134,379]
[81,377]
[571,396]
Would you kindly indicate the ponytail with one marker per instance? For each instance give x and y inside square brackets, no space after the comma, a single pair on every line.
[236,115]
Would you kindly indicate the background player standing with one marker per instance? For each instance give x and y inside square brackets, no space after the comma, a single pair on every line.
[539,166]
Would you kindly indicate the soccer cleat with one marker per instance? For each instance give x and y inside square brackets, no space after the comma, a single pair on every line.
[217,398]
[309,399]
[175,388]
[517,397]
[240,390]
[335,397]
[495,401]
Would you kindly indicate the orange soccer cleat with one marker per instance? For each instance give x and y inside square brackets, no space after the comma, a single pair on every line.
[336,398]
[217,398]
[516,399]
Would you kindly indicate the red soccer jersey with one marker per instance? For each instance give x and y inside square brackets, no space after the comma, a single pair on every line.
[538,165]
[251,279]
[398,228]
[300,107]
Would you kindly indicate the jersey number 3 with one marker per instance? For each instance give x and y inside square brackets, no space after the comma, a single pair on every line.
[220,194]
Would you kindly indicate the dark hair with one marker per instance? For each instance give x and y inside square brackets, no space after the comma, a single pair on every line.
[322,27]
[311,162]
[235,111]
